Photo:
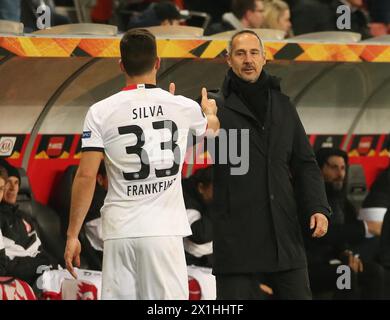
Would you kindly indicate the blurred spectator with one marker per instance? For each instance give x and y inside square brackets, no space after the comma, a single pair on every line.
[102,11]
[310,16]
[64,3]
[10,10]
[23,248]
[345,232]
[245,14]
[157,14]
[29,14]
[321,15]
[215,8]
[377,204]
[359,18]
[93,222]
[3,180]
[379,10]
[277,16]
[198,195]
[3,258]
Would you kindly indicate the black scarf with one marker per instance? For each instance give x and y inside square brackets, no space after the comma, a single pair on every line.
[254,95]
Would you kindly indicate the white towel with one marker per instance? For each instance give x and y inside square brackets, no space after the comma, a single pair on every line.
[206,281]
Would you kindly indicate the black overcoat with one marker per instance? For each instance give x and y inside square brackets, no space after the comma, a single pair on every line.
[257,215]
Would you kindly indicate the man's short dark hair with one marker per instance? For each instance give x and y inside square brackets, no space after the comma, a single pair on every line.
[323,154]
[138,51]
[240,7]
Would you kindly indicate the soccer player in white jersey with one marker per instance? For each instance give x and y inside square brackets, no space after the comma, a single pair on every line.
[141,132]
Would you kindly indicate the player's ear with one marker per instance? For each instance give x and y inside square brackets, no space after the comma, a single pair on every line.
[157,63]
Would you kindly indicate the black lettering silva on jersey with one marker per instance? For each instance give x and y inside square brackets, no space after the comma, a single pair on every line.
[146,112]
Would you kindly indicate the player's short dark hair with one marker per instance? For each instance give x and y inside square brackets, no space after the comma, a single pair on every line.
[240,7]
[138,51]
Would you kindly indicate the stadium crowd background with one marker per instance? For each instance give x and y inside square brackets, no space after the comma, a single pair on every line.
[295,17]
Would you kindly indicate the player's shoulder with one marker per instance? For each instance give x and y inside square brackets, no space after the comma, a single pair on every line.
[104,103]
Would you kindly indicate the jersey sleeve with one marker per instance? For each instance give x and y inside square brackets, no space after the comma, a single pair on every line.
[198,120]
[91,140]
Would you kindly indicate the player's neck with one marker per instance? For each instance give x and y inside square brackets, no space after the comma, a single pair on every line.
[143,79]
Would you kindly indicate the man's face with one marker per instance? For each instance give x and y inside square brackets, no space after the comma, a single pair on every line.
[334,171]
[11,190]
[284,21]
[246,57]
[2,185]
[256,17]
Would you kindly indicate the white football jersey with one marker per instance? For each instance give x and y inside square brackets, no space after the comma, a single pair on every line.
[143,132]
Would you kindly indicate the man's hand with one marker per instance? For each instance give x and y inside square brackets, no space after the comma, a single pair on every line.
[209,108]
[172,88]
[374,227]
[72,255]
[353,261]
[320,223]
[266,289]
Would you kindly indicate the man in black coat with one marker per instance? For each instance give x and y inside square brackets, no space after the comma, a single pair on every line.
[257,234]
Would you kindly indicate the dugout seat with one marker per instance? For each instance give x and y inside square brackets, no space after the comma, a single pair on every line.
[385,39]
[264,34]
[61,195]
[176,31]
[92,29]
[333,36]
[46,218]
[356,185]
[11,27]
